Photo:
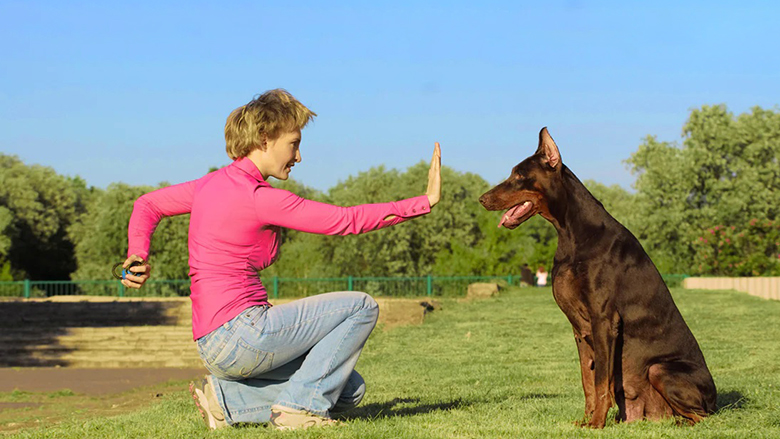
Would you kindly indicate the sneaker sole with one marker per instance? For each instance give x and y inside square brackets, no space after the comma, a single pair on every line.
[201,410]
[301,425]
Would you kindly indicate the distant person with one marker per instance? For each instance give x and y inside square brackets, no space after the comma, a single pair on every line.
[292,364]
[526,275]
[541,277]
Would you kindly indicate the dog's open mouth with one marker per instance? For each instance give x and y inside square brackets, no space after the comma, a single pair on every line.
[516,215]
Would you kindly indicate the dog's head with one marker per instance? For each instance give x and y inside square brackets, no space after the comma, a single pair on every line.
[525,193]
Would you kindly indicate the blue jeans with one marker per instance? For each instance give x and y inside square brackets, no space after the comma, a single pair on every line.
[300,355]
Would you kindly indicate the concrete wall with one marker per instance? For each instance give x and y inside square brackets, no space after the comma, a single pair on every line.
[765,287]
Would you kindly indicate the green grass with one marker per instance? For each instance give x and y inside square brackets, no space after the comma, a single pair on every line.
[505,368]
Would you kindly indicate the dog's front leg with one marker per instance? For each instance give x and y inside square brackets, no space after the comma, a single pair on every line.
[605,334]
[586,369]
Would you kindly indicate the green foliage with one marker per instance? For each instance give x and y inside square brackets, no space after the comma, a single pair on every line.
[5,271]
[36,208]
[6,221]
[499,251]
[101,236]
[101,232]
[752,249]
[410,248]
[725,173]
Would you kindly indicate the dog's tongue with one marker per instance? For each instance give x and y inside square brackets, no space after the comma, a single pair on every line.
[513,215]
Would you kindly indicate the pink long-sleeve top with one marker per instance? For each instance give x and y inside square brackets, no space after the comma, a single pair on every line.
[234,232]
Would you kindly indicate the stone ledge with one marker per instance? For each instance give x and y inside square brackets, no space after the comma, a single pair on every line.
[38,339]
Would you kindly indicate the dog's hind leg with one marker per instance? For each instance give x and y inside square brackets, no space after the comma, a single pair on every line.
[677,383]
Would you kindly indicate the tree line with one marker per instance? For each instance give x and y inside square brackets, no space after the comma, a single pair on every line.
[707,206]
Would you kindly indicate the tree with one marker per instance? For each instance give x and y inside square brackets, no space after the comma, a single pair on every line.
[499,251]
[101,231]
[101,236]
[6,219]
[408,249]
[725,173]
[37,206]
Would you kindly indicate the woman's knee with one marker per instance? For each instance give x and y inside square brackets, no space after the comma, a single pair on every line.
[370,306]
[353,393]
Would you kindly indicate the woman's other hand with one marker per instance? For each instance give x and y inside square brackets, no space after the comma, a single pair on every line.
[434,177]
[140,272]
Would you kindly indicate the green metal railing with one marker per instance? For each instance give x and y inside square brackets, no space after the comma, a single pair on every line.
[277,287]
[35,289]
[442,286]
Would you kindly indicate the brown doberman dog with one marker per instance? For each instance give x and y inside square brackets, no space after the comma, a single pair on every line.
[635,348]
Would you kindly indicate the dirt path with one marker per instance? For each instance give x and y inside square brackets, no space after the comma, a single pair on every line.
[32,397]
[92,382]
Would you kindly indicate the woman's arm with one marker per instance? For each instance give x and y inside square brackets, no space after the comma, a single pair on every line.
[148,210]
[285,209]
[282,208]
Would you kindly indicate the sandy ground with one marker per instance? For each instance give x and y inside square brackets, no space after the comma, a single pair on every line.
[92,382]
[35,397]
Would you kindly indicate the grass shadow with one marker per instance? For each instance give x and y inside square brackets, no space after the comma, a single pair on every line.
[412,407]
[539,396]
[389,409]
[732,400]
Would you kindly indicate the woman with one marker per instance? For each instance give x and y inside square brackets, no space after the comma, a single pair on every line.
[541,277]
[293,364]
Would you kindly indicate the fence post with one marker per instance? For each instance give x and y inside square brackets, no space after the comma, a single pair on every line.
[430,285]
[509,280]
[276,287]
[27,288]
[349,283]
[121,290]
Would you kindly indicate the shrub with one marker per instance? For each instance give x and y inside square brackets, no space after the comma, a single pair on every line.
[751,249]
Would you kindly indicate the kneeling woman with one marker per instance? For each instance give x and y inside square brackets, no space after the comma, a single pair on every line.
[293,364]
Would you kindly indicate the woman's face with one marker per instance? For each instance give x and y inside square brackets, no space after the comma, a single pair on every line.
[281,155]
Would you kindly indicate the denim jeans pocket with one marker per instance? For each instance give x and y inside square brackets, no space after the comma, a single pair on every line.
[240,360]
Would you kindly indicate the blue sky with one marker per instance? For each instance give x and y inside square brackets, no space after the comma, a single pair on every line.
[139,92]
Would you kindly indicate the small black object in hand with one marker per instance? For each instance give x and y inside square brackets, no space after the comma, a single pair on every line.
[120,274]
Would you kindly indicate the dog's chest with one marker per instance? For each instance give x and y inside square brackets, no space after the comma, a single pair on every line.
[570,298]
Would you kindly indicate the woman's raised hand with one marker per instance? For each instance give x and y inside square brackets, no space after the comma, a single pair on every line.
[434,177]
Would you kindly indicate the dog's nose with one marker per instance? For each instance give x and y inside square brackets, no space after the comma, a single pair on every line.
[483,199]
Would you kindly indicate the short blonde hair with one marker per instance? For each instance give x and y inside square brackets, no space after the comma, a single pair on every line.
[266,117]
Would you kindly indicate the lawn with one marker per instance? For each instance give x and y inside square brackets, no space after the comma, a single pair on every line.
[506,368]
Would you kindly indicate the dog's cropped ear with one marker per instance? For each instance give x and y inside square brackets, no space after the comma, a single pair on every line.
[549,149]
